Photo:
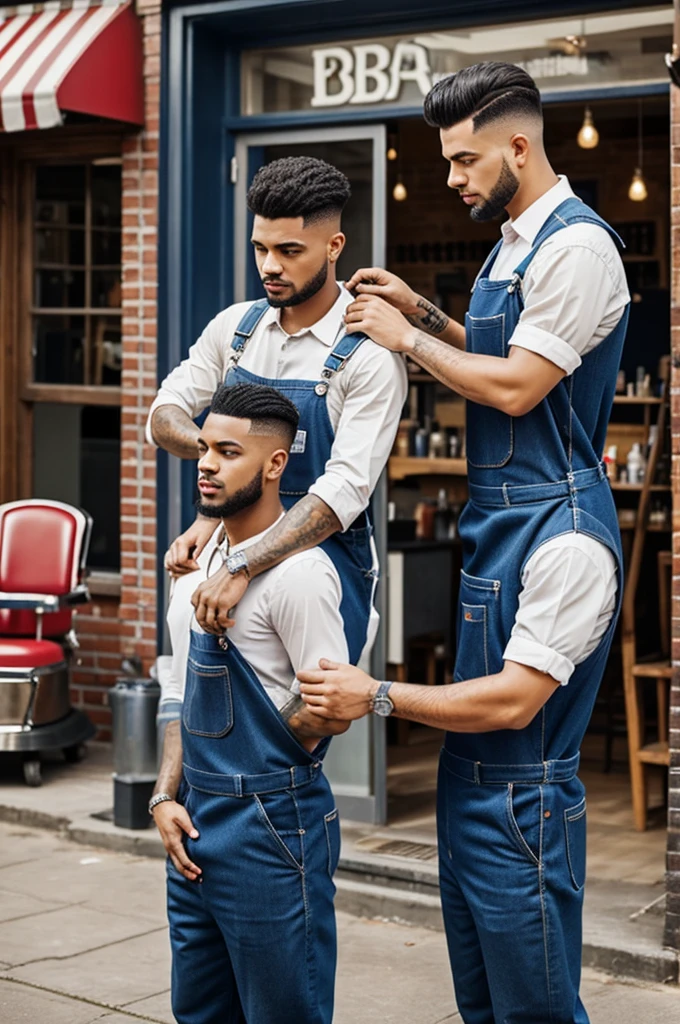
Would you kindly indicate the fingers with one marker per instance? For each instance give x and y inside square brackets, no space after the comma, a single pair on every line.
[183,863]
[184,821]
[326,664]
[365,274]
[310,676]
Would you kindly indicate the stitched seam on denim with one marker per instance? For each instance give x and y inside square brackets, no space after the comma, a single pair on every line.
[515,830]
[279,843]
[327,819]
[504,462]
[475,586]
[544,916]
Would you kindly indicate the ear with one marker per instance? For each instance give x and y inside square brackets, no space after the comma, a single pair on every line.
[278,461]
[520,146]
[335,246]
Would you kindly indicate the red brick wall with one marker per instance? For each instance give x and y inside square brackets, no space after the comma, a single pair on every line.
[672,936]
[109,629]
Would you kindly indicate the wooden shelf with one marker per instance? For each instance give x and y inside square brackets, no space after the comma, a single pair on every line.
[635,400]
[401,466]
[616,486]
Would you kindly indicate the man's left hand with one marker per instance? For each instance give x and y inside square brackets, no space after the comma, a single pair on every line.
[371,315]
[337,691]
[215,598]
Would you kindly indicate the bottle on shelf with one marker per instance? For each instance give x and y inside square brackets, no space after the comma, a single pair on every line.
[635,465]
[437,445]
[442,516]
[610,462]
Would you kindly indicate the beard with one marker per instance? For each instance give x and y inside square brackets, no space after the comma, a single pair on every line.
[503,191]
[235,503]
[308,290]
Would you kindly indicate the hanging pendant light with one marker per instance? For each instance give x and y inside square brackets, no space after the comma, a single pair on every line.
[638,189]
[399,191]
[588,136]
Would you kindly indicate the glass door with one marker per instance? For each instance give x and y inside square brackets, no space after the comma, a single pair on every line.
[356,762]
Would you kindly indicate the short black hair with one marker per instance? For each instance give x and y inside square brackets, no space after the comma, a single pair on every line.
[298,186]
[485,92]
[270,411]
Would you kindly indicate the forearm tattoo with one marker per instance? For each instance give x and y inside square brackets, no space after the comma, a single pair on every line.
[305,725]
[170,773]
[440,359]
[174,431]
[308,523]
[431,319]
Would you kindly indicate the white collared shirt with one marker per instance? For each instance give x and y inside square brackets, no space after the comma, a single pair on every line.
[288,618]
[574,294]
[574,290]
[364,400]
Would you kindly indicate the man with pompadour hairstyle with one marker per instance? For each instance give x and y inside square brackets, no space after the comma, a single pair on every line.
[537,361]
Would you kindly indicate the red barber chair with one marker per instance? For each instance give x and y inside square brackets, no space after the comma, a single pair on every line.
[43,547]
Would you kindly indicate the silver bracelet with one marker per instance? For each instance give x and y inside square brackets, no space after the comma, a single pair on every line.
[159,798]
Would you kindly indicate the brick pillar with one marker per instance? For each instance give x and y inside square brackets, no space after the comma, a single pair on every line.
[672,932]
[138,460]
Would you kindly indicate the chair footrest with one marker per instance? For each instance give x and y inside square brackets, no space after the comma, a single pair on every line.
[653,670]
[655,753]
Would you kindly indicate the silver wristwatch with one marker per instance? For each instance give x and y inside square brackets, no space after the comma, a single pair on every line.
[381,704]
[159,798]
[237,563]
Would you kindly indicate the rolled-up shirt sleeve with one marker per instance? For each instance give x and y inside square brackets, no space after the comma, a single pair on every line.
[192,384]
[567,601]
[571,292]
[376,392]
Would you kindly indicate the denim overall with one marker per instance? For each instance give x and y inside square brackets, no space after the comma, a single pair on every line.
[350,551]
[511,809]
[255,941]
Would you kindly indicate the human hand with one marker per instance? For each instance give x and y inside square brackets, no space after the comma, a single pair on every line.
[214,599]
[173,821]
[376,281]
[335,691]
[180,558]
[380,321]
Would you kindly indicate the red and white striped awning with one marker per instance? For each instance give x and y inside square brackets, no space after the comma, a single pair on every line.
[83,56]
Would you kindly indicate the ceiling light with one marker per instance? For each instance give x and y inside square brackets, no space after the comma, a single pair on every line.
[588,136]
[638,189]
[392,153]
[399,191]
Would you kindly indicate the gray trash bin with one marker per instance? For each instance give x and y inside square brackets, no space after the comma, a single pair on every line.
[133,703]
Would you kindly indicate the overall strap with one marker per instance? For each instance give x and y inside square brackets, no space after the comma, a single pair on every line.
[571,211]
[488,263]
[342,352]
[247,325]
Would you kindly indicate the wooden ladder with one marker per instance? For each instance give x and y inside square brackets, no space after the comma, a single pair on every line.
[637,675]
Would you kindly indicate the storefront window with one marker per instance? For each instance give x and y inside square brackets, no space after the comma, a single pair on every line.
[77,274]
[563,54]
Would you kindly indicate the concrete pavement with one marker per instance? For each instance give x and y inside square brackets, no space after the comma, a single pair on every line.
[83,938]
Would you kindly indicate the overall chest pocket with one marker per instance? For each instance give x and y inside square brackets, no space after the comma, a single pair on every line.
[490,432]
[479,641]
[208,708]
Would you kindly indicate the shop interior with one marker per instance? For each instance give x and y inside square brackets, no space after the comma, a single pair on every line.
[615,154]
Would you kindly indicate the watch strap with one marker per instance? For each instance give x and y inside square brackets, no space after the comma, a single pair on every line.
[159,798]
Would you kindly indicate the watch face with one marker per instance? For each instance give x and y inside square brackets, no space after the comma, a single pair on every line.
[383,706]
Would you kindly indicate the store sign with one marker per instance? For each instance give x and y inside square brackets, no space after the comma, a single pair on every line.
[368,73]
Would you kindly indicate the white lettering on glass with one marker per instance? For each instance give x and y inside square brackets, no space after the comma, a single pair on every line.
[328,62]
[409,64]
[376,73]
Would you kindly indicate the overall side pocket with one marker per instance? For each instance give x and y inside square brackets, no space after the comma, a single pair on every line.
[575,839]
[331,823]
[208,708]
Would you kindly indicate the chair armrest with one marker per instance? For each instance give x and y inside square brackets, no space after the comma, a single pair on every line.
[81,595]
[31,602]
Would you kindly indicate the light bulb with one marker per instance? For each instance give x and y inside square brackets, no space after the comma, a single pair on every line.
[588,136]
[399,192]
[392,153]
[638,190]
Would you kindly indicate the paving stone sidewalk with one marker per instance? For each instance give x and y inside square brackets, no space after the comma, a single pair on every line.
[83,938]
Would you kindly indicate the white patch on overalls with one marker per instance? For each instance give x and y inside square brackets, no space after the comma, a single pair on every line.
[299,444]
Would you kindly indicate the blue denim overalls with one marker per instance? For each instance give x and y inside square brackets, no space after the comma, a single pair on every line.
[255,941]
[511,810]
[350,551]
